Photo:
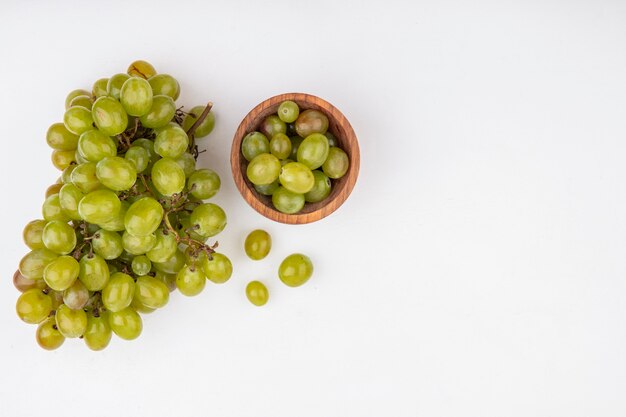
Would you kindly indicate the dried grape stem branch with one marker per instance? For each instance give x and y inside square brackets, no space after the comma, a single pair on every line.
[200,119]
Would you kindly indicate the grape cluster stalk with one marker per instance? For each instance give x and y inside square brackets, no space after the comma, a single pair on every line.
[127,222]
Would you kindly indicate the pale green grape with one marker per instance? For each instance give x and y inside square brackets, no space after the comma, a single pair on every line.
[313,150]
[172,265]
[257,245]
[116,224]
[94,272]
[139,307]
[151,292]
[321,188]
[71,323]
[69,197]
[109,116]
[143,217]
[336,164]
[33,306]
[99,206]
[66,175]
[287,201]
[295,270]
[76,296]
[187,162]
[78,119]
[263,169]
[141,265]
[171,141]
[257,293]
[48,335]
[160,114]
[126,323]
[107,244]
[168,177]
[272,125]
[168,279]
[51,209]
[208,219]
[98,332]
[190,281]
[61,273]
[118,293]
[136,96]
[141,68]
[84,177]
[114,86]
[53,189]
[280,146]
[296,177]
[164,248]
[22,283]
[59,237]
[205,127]
[58,137]
[203,184]
[219,269]
[62,159]
[94,145]
[100,88]
[138,245]
[32,234]
[288,111]
[163,84]
[116,173]
[267,189]
[139,157]
[254,144]
[83,101]
[73,94]
[311,121]
[34,262]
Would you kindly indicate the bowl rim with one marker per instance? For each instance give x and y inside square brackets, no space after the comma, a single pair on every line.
[350,177]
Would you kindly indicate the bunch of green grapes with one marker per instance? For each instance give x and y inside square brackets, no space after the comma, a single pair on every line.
[126,223]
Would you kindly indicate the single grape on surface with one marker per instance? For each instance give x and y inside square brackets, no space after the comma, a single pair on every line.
[257,293]
[295,270]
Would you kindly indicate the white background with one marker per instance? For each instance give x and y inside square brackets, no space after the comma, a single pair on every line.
[477,269]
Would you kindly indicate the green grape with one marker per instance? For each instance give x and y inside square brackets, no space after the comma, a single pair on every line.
[143,217]
[48,335]
[66,175]
[51,209]
[83,101]
[139,307]
[22,283]
[172,265]
[336,164]
[32,234]
[190,281]
[184,227]
[109,116]
[161,113]
[263,169]
[321,188]
[99,206]
[205,127]
[71,323]
[59,138]
[141,68]
[286,201]
[62,159]
[267,189]
[332,140]
[136,96]
[295,144]
[33,306]
[53,189]
[76,296]
[218,270]
[114,85]
[116,173]
[138,245]
[164,248]
[295,270]
[61,273]
[280,146]
[141,265]
[187,162]
[254,144]
[34,262]
[257,293]
[57,297]
[139,157]
[313,150]
[126,323]
[94,145]
[69,197]
[171,141]
[100,88]
[168,279]
[118,293]
[107,244]
[116,224]
[98,332]
[203,184]
[208,219]
[73,94]
[78,120]
[288,111]
[84,177]
[272,125]
[311,121]
[151,292]
[296,177]
[168,177]
[258,244]
[94,272]
[59,237]
[163,84]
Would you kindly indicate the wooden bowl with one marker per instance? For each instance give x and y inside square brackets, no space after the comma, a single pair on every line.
[338,125]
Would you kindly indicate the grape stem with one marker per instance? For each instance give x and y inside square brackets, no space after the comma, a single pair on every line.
[200,119]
